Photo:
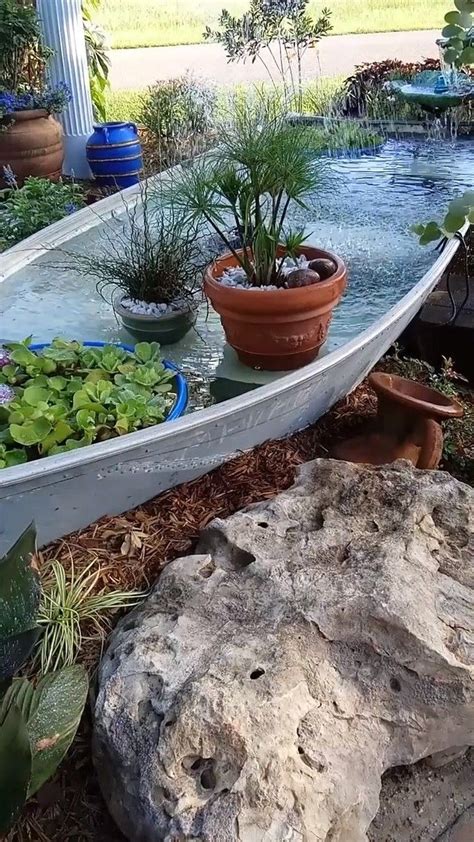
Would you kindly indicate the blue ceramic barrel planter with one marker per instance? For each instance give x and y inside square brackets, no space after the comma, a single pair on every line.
[182,391]
[114,154]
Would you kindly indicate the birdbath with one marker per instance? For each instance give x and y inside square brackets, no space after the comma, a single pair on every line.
[407,424]
[435,92]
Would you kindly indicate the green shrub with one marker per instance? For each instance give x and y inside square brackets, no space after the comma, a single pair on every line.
[179,108]
[34,206]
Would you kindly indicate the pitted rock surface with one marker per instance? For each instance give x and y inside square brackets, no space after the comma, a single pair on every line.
[313,642]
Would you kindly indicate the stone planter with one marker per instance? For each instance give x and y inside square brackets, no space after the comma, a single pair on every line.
[166,329]
[276,330]
[32,145]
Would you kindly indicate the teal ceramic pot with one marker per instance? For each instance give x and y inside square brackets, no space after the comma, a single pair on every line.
[166,329]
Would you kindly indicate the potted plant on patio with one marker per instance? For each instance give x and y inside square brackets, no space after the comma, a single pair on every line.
[30,138]
[150,269]
[274,292]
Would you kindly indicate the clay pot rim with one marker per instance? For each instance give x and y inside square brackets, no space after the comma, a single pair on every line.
[147,317]
[337,277]
[435,404]
[29,114]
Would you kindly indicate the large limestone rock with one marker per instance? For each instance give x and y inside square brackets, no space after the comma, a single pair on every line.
[316,640]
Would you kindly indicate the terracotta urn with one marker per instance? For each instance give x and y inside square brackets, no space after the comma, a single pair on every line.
[407,425]
[276,330]
[31,143]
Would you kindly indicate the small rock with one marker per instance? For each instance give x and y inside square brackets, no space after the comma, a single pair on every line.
[302,278]
[323,266]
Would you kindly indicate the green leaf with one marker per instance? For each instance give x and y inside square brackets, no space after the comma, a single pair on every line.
[19,586]
[30,433]
[453,222]
[143,352]
[14,651]
[53,725]
[33,395]
[452,31]
[467,56]
[15,767]
[23,356]
[57,383]
[453,17]
[15,457]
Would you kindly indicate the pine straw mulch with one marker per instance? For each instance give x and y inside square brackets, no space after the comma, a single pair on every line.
[133,548]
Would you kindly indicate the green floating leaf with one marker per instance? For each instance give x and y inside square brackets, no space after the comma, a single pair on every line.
[15,767]
[33,395]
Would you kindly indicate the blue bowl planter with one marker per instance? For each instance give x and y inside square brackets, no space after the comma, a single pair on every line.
[182,392]
[114,154]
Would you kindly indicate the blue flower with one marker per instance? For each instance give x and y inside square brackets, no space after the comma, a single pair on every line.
[70,207]
[6,394]
[10,179]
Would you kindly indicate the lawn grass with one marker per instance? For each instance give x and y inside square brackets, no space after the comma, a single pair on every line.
[147,23]
[126,104]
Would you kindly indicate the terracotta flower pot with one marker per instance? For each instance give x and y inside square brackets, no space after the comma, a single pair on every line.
[32,145]
[276,330]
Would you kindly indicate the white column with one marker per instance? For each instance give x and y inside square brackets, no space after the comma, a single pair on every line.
[63,31]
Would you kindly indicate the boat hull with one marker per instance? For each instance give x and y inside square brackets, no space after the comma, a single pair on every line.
[67,492]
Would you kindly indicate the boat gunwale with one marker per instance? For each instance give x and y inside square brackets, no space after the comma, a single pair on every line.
[19,256]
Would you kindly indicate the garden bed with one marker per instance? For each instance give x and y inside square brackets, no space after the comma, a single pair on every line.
[131,549]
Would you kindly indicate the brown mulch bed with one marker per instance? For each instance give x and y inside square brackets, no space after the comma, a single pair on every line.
[133,548]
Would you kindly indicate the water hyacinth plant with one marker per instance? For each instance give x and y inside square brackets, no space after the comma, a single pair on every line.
[68,395]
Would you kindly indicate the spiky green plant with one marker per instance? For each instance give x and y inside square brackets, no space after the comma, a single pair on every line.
[71,601]
[249,182]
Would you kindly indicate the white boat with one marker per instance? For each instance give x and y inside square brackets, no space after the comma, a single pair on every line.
[69,491]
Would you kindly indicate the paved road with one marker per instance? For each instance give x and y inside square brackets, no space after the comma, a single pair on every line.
[337,55]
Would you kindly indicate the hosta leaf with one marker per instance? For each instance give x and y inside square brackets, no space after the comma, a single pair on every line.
[15,768]
[19,586]
[62,696]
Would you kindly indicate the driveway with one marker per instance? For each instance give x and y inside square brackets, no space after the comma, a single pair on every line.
[336,56]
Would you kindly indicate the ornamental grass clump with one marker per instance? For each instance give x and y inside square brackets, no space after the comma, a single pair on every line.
[68,395]
[247,186]
[155,257]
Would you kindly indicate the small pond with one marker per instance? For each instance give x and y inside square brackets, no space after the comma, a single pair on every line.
[363,211]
